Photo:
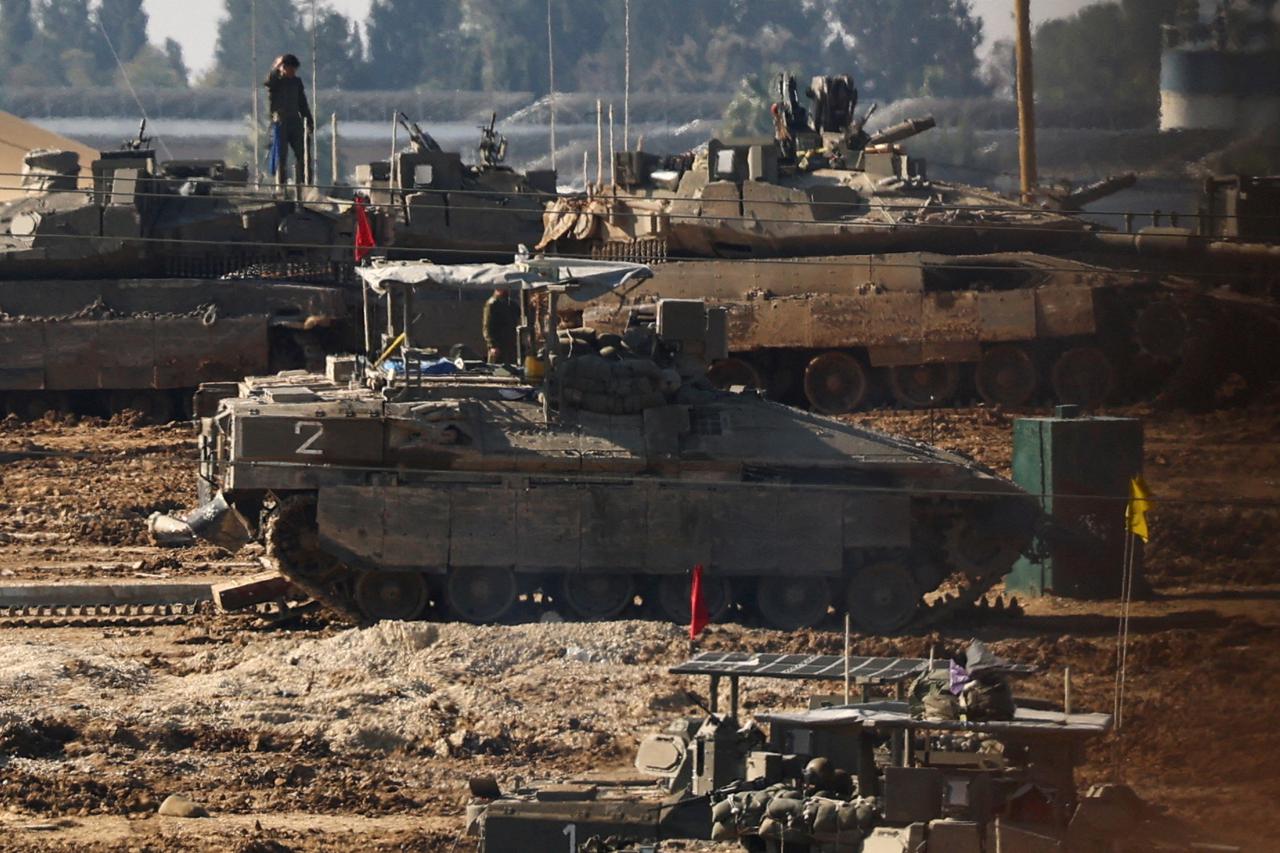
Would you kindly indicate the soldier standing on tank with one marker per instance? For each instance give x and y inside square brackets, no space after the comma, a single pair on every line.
[500,321]
[290,116]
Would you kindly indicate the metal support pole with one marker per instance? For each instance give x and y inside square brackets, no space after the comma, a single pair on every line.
[733,696]
[626,76]
[391,161]
[551,83]
[599,143]
[333,150]
[715,694]
[1026,99]
[846,659]
[253,82]
[313,149]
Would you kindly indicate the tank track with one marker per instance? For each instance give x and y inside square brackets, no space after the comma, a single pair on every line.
[291,555]
[972,599]
[98,616]
[328,582]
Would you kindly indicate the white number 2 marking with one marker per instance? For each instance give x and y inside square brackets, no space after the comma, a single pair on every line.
[305,449]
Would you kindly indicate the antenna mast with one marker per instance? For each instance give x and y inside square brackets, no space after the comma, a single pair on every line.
[256,132]
[315,100]
[626,76]
[551,74]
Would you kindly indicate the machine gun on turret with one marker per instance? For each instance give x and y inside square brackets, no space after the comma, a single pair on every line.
[422,141]
[493,145]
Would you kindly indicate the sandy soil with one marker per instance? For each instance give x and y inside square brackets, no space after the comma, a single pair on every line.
[321,737]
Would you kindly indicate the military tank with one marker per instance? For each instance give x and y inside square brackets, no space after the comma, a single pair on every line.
[821,186]
[853,278]
[160,276]
[398,485]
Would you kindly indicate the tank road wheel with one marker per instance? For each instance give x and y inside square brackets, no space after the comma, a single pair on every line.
[882,597]
[595,596]
[480,595]
[922,386]
[835,383]
[156,406]
[791,603]
[1006,376]
[395,596]
[729,372]
[1083,376]
[674,597]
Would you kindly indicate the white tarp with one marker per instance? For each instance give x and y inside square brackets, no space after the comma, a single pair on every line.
[591,278]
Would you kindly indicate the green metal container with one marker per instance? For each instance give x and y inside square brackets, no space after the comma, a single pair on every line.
[1081,468]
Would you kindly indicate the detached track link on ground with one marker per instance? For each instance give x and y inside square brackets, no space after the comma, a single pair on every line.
[97,615]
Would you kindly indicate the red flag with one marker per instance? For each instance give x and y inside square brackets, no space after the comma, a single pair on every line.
[698,616]
[364,232]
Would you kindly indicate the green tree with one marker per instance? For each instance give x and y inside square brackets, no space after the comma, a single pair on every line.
[1079,61]
[418,42]
[905,48]
[65,25]
[17,28]
[173,53]
[152,68]
[279,30]
[125,23]
[339,50]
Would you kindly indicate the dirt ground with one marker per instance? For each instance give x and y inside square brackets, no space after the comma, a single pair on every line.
[320,737]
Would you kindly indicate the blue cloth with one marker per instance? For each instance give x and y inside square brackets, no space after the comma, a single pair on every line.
[277,146]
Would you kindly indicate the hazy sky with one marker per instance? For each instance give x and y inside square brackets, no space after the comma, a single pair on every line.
[194,22]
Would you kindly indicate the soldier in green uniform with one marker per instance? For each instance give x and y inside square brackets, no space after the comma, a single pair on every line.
[287,101]
[500,321]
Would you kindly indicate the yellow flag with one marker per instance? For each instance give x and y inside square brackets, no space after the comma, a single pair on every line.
[1135,513]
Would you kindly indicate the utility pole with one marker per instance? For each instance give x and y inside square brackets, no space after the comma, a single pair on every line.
[1026,99]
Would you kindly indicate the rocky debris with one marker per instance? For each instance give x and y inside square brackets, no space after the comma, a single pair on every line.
[176,805]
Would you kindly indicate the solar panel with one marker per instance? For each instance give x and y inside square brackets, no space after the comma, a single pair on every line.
[862,670]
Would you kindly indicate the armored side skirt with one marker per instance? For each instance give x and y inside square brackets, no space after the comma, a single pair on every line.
[645,526]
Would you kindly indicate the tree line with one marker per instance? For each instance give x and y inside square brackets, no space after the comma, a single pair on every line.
[68,43]
[894,48]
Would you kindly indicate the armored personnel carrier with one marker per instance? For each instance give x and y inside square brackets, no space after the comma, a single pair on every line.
[158,277]
[398,485]
[851,277]
[909,766]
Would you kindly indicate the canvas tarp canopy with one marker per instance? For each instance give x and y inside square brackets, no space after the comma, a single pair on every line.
[590,278]
[17,137]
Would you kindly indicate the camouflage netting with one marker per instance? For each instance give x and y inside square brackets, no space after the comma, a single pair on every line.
[626,374]
[785,815]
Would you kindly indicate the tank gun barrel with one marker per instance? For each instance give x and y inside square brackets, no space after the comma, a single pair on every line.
[1089,193]
[1181,242]
[903,130]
